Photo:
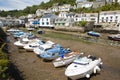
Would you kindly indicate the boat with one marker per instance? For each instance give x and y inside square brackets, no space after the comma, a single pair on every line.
[54,52]
[12,30]
[92,33]
[47,45]
[33,44]
[115,37]
[66,59]
[21,42]
[83,67]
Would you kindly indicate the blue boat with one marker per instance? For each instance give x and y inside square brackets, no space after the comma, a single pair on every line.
[18,34]
[57,51]
[92,33]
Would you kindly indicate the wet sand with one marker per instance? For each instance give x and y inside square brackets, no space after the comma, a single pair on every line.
[34,68]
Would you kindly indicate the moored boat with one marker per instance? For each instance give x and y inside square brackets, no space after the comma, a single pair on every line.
[92,33]
[66,59]
[83,67]
[21,42]
[47,45]
[33,44]
[115,37]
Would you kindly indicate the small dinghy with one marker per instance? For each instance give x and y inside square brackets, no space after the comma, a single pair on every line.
[83,67]
[92,33]
[66,59]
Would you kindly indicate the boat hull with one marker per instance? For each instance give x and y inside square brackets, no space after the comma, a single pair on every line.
[19,45]
[91,33]
[63,62]
[28,48]
[75,71]
[113,38]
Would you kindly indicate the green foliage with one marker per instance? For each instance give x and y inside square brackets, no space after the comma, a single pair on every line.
[3,57]
[32,9]
[83,23]
[3,65]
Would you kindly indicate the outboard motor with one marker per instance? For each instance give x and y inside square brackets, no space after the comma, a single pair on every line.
[96,69]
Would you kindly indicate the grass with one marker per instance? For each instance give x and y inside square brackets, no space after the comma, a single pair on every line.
[63,36]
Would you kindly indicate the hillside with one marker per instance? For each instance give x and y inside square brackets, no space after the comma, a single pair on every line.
[32,9]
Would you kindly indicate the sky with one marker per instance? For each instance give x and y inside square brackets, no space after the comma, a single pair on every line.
[18,4]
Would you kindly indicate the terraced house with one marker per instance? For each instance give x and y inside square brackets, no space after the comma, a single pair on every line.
[47,20]
[109,16]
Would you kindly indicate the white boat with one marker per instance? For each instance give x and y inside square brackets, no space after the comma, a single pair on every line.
[33,44]
[67,59]
[83,67]
[42,48]
[21,42]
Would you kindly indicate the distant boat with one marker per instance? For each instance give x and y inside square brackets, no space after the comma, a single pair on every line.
[12,31]
[115,37]
[83,67]
[66,59]
[92,33]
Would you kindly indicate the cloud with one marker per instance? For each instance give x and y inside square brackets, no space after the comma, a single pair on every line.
[18,4]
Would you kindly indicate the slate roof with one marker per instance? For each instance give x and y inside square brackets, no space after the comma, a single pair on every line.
[49,16]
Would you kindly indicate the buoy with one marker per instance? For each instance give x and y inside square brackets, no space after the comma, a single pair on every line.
[87,75]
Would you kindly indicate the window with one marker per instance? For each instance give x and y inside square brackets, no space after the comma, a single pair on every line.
[116,17]
[42,23]
[105,13]
[92,19]
[111,17]
[116,20]
[102,18]
[47,23]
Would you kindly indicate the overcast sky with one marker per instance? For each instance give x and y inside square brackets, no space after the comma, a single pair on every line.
[18,4]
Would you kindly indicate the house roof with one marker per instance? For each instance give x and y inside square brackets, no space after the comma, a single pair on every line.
[70,14]
[49,16]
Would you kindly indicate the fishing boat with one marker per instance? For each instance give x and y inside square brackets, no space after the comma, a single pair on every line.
[33,44]
[54,52]
[92,33]
[115,37]
[66,59]
[47,45]
[83,67]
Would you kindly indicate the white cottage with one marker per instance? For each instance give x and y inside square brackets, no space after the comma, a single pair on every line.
[86,17]
[84,4]
[63,15]
[40,12]
[109,16]
[47,20]
[65,7]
